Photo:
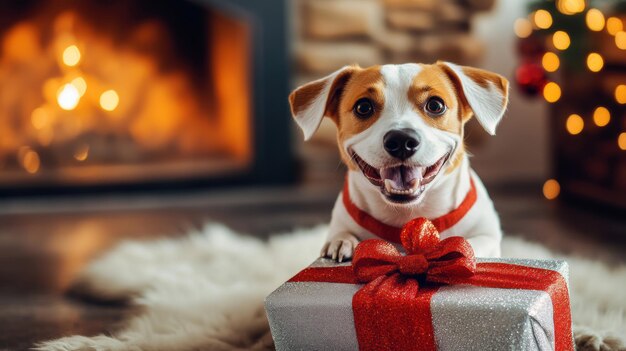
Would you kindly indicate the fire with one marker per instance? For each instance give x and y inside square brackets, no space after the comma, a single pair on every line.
[68,97]
[80,95]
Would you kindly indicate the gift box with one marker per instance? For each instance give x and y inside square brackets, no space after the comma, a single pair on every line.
[437,296]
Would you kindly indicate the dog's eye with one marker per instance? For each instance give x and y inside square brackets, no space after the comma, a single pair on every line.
[363,108]
[435,106]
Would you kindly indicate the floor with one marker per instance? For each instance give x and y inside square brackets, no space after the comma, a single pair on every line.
[43,244]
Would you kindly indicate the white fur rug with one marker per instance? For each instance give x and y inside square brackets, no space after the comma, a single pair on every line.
[205,292]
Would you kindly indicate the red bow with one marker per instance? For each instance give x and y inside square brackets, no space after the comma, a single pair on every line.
[440,261]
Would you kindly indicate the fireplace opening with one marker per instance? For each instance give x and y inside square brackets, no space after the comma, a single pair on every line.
[125,92]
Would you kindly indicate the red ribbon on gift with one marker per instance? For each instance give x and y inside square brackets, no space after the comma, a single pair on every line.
[392,310]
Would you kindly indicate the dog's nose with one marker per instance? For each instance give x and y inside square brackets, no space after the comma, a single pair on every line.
[401,143]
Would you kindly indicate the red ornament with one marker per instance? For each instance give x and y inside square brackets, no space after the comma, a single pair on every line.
[530,78]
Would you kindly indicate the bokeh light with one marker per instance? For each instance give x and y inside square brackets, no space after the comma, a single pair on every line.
[621,141]
[71,55]
[109,100]
[574,124]
[614,25]
[68,97]
[551,189]
[620,40]
[550,61]
[81,153]
[560,40]
[522,28]
[29,160]
[620,94]
[601,116]
[570,7]
[595,20]
[552,92]
[542,19]
[80,84]
[39,118]
[595,62]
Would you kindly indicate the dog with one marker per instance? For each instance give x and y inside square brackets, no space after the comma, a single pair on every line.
[400,133]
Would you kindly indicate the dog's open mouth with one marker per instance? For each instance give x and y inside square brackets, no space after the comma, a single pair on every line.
[401,183]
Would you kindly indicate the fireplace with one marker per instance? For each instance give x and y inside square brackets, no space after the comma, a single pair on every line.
[135,94]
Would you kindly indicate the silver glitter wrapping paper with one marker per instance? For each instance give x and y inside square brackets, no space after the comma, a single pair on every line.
[318,316]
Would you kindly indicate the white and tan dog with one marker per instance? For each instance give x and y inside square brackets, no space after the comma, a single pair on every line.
[400,132]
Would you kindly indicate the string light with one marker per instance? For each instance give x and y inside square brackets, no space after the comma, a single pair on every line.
[71,55]
[595,20]
[522,28]
[574,124]
[595,62]
[570,7]
[560,40]
[550,61]
[109,100]
[620,94]
[614,25]
[542,19]
[620,40]
[601,116]
[551,189]
[552,92]
[621,141]
[68,97]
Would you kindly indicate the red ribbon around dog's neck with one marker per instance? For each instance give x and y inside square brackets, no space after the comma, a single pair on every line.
[391,233]
[392,311]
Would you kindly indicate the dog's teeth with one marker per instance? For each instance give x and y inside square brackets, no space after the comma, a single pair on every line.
[389,185]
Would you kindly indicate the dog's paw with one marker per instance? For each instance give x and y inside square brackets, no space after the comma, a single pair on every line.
[589,340]
[340,247]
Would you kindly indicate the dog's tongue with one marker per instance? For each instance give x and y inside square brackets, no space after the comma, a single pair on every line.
[402,177]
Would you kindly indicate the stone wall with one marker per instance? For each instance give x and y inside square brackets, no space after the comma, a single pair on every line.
[333,33]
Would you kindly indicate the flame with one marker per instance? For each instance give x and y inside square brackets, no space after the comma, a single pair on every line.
[68,97]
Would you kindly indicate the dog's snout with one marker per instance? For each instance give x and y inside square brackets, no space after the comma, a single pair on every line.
[401,143]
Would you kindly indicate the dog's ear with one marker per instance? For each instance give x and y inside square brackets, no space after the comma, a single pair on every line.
[486,93]
[314,100]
